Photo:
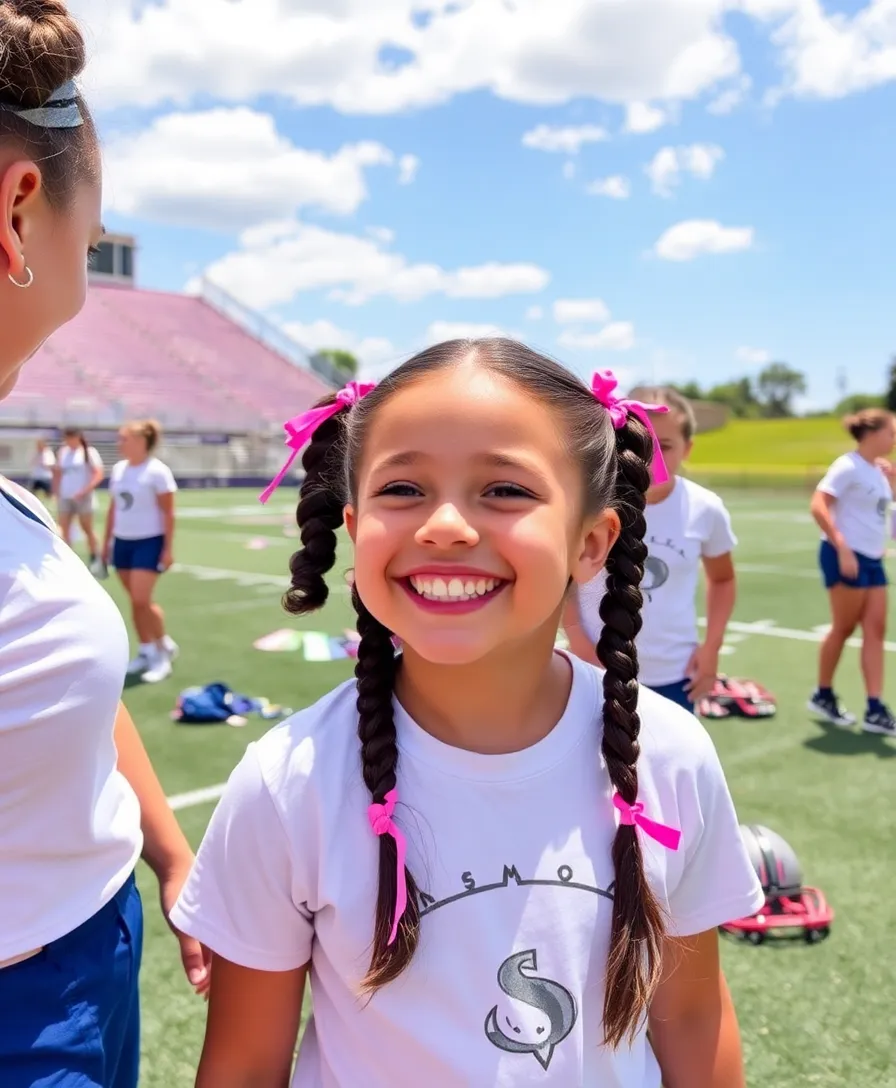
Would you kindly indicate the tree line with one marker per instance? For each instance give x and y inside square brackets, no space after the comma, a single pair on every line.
[771,394]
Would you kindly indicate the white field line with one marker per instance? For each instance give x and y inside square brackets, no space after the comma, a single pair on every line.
[196,797]
[241,577]
[769,629]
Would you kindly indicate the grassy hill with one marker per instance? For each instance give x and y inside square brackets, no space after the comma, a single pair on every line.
[769,451]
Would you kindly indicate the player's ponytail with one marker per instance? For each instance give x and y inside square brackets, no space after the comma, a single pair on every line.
[634,962]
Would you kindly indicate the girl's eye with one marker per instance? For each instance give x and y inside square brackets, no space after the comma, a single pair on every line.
[92,253]
[400,489]
[508,491]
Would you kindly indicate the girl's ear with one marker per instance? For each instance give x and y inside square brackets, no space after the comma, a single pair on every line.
[351,521]
[595,544]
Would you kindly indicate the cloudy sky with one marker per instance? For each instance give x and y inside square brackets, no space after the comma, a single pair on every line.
[674,188]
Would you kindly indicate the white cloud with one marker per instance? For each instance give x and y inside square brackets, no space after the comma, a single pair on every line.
[460,330]
[225,169]
[569,140]
[408,165]
[277,261]
[695,237]
[534,313]
[731,97]
[616,187]
[753,356]
[640,117]
[669,163]
[319,53]
[570,311]
[370,351]
[617,336]
[382,234]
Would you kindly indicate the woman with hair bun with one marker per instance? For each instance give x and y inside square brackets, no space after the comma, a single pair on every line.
[851,505]
[139,541]
[79,801]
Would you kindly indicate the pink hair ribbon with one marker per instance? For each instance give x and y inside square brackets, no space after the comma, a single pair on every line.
[300,430]
[603,386]
[381,823]
[633,816]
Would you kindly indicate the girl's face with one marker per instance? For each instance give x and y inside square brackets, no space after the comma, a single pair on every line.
[468,522]
[669,430]
[883,442]
[73,441]
[130,445]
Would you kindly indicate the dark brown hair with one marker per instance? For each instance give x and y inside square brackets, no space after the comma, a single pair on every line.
[867,421]
[615,472]
[41,48]
[674,401]
[148,430]
[76,432]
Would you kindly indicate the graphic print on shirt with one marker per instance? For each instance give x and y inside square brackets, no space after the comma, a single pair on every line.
[126,499]
[656,574]
[539,1015]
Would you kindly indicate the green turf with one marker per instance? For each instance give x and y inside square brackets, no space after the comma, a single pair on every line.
[810,1016]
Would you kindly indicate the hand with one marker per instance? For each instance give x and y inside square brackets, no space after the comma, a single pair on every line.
[702,671]
[106,553]
[197,959]
[887,467]
[80,496]
[167,560]
[847,561]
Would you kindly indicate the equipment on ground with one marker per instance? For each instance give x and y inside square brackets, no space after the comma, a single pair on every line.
[737,698]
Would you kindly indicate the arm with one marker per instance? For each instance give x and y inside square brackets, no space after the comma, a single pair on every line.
[166,505]
[822,509]
[253,1024]
[579,642]
[57,479]
[693,1026]
[721,592]
[165,848]
[110,530]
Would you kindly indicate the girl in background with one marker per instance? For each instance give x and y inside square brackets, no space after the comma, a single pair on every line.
[140,540]
[688,528]
[851,505]
[42,465]
[520,862]
[78,473]
[79,801]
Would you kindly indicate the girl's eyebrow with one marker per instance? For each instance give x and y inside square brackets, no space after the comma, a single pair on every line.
[410,458]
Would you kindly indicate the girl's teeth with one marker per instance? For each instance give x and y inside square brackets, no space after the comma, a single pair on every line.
[455,589]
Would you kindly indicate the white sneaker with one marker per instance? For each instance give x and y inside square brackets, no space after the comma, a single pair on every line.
[160,670]
[138,665]
[171,647]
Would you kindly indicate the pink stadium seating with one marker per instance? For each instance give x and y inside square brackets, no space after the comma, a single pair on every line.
[134,353]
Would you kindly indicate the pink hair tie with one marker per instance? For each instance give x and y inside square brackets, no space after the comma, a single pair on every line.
[381,823]
[300,430]
[603,386]
[633,816]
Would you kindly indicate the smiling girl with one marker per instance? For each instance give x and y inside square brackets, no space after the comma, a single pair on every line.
[495,864]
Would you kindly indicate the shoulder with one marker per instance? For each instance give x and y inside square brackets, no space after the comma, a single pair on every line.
[119,468]
[312,750]
[701,498]
[673,740]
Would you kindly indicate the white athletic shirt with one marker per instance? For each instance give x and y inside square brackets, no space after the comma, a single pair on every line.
[863,497]
[76,470]
[688,525]
[135,490]
[512,854]
[69,822]
[42,465]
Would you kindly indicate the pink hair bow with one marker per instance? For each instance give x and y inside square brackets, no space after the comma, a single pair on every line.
[603,386]
[381,823]
[300,429]
[633,816]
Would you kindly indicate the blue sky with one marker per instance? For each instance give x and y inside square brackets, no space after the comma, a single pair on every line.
[673,188]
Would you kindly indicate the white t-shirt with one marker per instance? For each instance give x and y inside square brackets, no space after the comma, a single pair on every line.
[689,525]
[513,857]
[42,465]
[135,491]
[76,470]
[69,822]
[863,497]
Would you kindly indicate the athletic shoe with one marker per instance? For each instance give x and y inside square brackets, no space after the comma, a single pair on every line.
[880,721]
[170,647]
[99,569]
[139,665]
[160,670]
[829,708]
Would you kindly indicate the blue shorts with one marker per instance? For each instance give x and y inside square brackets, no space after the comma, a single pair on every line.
[677,693]
[143,554]
[71,1014]
[872,572]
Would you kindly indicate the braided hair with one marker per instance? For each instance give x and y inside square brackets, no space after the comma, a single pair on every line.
[615,468]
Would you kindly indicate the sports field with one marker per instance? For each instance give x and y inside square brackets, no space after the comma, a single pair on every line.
[819,1016]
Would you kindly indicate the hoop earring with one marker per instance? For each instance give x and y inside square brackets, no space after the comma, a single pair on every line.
[28,282]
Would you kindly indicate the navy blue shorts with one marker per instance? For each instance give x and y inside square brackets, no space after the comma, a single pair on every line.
[71,1014]
[143,554]
[872,572]
[677,693]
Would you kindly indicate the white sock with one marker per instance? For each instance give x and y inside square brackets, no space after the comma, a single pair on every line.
[149,650]
[167,643]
